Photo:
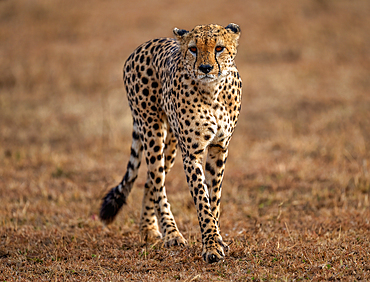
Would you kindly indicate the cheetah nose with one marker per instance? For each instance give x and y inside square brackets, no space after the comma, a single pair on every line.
[205,68]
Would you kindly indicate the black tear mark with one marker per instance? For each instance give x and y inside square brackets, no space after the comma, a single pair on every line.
[196,58]
[219,67]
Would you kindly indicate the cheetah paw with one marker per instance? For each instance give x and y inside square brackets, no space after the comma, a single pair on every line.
[215,253]
[151,235]
[174,239]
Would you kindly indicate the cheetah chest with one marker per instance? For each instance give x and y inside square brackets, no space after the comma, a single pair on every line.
[222,123]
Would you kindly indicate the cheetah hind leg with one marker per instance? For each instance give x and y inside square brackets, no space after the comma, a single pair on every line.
[148,223]
[170,150]
[116,197]
[149,231]
[155,198]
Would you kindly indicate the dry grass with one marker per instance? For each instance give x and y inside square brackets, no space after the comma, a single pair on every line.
[296,192]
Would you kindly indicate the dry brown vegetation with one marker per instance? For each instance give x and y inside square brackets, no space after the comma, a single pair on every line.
[296,191]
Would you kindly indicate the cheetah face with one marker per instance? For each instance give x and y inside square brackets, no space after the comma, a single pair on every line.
[208,50]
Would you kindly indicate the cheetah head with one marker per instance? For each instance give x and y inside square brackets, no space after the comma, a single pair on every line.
[208,50]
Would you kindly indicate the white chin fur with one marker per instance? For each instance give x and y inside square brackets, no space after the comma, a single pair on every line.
[211,77]
[206,78]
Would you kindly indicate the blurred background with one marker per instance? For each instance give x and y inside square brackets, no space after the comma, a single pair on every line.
[65,126]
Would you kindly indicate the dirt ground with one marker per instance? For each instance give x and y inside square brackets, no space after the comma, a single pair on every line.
[295,202]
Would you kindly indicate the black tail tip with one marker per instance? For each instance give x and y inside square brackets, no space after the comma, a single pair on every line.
[111,205]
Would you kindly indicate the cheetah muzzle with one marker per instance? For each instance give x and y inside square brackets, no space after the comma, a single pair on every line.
[186,93]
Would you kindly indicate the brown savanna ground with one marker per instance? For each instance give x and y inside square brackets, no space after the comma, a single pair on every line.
[296,192]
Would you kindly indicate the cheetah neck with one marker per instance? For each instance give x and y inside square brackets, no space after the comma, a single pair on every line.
[211,89]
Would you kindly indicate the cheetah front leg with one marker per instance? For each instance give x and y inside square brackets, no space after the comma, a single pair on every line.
[213,246]
[214,170]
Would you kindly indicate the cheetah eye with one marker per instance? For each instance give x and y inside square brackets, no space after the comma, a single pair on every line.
[193,49]
[219,49]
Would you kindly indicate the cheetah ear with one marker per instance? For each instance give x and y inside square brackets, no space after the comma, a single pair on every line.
[233,29]
[179,33]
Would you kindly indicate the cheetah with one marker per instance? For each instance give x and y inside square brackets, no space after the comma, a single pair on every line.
[186,92]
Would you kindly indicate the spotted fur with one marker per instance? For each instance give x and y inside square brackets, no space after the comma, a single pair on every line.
[186,92]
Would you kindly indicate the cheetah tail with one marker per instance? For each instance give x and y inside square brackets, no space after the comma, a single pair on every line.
[117,196]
